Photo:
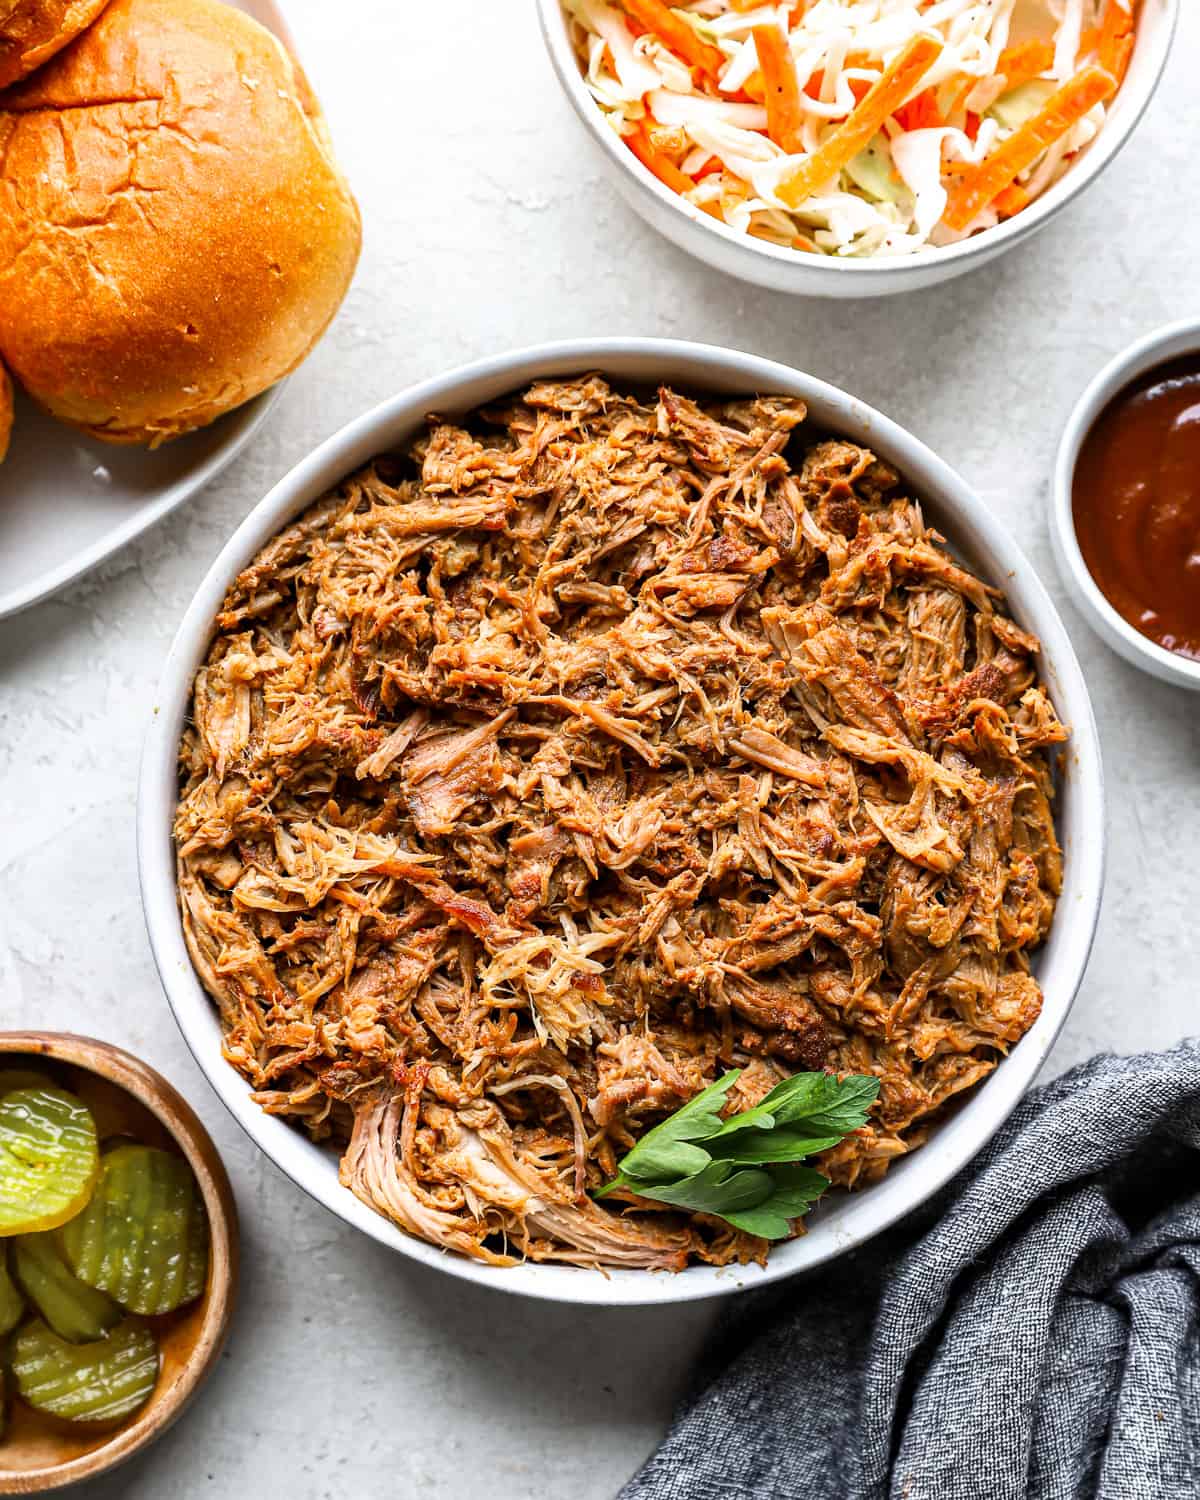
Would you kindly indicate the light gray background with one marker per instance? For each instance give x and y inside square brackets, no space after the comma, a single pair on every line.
[350,1372]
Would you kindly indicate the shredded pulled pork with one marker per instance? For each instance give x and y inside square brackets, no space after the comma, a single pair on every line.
[539,775]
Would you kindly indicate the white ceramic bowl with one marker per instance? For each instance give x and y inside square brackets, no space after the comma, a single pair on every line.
[785,270]
[1154,349]
[978,536]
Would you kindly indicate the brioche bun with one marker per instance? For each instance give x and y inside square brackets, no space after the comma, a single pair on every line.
[6,412]
[175,234]
[33,30]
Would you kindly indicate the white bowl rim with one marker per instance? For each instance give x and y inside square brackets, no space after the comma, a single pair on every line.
[990,241]
[1159,346]
[391,422]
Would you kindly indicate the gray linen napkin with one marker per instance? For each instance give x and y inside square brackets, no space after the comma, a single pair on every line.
[1035,1332]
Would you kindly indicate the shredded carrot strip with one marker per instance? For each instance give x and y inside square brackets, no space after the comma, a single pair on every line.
[796,7]
[662,166]
[677,35]
[769,237]
[1121,55]
[921,112]
[1011,201]
[815,84]
[1024,62]
[780,86]
[1115,41]
[961,84]
[885,96]
[977,188]
[859,87]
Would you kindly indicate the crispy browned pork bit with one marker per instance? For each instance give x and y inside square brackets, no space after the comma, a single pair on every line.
[596,746]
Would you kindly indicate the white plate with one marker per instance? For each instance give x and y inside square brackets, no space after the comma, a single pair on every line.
[67,501]
[977,535]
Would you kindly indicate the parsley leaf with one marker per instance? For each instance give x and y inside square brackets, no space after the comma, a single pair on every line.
[760,1146]
[665,1154]
[821,1103]
[772,1218]
[747,1169]
[717,1189]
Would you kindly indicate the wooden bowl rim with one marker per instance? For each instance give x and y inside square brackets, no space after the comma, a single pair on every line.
[177,1117]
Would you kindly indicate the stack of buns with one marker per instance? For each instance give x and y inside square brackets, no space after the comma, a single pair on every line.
[175,233]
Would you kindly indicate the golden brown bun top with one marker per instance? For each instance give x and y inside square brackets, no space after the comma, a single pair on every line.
[174,231]
[31,31]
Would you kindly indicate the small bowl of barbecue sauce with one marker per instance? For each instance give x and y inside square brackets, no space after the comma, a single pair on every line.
[1127,504]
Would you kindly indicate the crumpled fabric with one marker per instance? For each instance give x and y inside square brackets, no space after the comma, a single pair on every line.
[1032,1333]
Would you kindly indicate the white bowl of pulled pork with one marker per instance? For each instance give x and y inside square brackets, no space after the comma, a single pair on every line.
[622,822]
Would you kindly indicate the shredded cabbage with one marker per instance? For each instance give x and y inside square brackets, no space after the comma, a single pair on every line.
[716,136]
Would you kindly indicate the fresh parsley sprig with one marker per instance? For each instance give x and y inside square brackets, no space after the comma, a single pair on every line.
[747,1169]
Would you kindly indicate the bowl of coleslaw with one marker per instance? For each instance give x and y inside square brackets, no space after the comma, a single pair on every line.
[851,148]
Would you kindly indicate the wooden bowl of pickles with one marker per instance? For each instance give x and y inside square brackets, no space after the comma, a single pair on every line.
[118,1258]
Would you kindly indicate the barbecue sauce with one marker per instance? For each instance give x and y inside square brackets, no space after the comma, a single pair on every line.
[1136,502]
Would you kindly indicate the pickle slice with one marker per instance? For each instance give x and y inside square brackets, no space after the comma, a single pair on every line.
[98,1382]
[12,1304]
[143,1238]
[48,1159]
[75,1311]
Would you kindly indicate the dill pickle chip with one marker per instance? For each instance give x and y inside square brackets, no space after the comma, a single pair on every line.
[48,1159]
[73,1309]
[98,1382]
[143,1238]
[12,1304]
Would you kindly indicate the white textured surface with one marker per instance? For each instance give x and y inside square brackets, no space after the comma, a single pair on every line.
[350,1372]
